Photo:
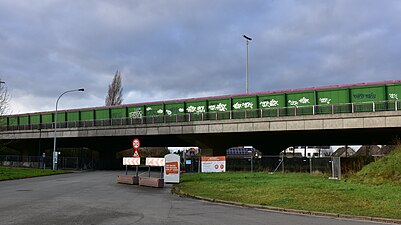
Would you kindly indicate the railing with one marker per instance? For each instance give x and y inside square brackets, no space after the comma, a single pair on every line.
[38,161]
[228,115]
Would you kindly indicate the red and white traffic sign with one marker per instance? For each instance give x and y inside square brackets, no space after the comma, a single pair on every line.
[136,143]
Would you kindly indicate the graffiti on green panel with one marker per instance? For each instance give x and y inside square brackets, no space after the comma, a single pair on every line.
[368,94]
[393,96]
[173,109]
[270,101]
[221,105]
[135,112]
[196,107]
[393,92]
[244,103]
[154,110]
[302,100]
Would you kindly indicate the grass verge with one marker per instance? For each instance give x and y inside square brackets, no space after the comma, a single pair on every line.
[11,173]
[296,191]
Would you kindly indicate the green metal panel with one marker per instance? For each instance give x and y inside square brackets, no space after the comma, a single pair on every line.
[154,113]
[368,94]
[136,112]
[244,107]
[301,99]
[73,116]
[196,108]
[334,96]
[13,120]
[219,109]
[271,101]
[325,99]
[175,108]
[118,112]
[393,92]
[35,119]
[87,115]
[244,103]
[3,121]
[219,105]
[154,110]
[47,118]
[61,116]
[24,120]
[101,114]
[175,112]
[300,103]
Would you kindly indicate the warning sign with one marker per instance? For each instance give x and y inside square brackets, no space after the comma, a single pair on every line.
[171,168]
[214,164]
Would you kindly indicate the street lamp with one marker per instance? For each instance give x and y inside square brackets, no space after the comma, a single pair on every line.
[55,127]
[247,39]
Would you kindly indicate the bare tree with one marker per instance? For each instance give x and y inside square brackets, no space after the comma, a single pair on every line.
[114,95]
[4,99]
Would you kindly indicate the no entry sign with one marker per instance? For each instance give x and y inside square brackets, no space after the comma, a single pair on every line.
[136,144]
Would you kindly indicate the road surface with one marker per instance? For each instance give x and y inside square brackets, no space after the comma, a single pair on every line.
[95,198]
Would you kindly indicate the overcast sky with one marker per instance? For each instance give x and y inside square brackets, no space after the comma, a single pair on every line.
[174,49]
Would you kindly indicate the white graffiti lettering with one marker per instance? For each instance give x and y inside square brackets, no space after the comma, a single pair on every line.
[136,114]
[325,100]
[237,106]
[271,103]
[393,96]
[304,100]
[293,103]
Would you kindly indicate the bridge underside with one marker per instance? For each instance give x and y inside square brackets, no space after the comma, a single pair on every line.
[269,143]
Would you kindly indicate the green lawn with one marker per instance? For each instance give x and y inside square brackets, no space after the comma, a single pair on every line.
[11,173]
[296,191]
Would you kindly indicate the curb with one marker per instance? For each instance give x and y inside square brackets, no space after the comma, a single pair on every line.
[291,211]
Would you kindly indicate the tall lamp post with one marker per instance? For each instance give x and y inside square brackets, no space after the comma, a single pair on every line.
[247,39]
[55,127]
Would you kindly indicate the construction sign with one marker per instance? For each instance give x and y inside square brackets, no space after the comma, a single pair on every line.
[131,161]
[172,168]
[214,164]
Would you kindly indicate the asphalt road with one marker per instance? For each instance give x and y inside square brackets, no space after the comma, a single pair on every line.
[96,198]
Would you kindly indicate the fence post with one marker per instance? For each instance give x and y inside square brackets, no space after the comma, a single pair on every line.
[374,106]
[313,110]
[396,105]
[352,108]
[261,113]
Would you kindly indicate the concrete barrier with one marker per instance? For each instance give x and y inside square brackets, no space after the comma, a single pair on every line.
[128,179]
[151,182]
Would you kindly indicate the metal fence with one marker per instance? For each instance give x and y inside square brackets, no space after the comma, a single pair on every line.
[39,162]
[227,115]
[280,164]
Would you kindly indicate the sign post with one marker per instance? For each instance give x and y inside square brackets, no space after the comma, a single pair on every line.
[136,144]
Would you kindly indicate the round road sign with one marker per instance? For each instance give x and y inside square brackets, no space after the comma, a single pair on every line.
[136,144]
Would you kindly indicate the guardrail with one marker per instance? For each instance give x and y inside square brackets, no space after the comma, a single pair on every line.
[227,115]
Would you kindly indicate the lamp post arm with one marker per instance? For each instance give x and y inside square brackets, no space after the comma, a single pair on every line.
[55,126]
